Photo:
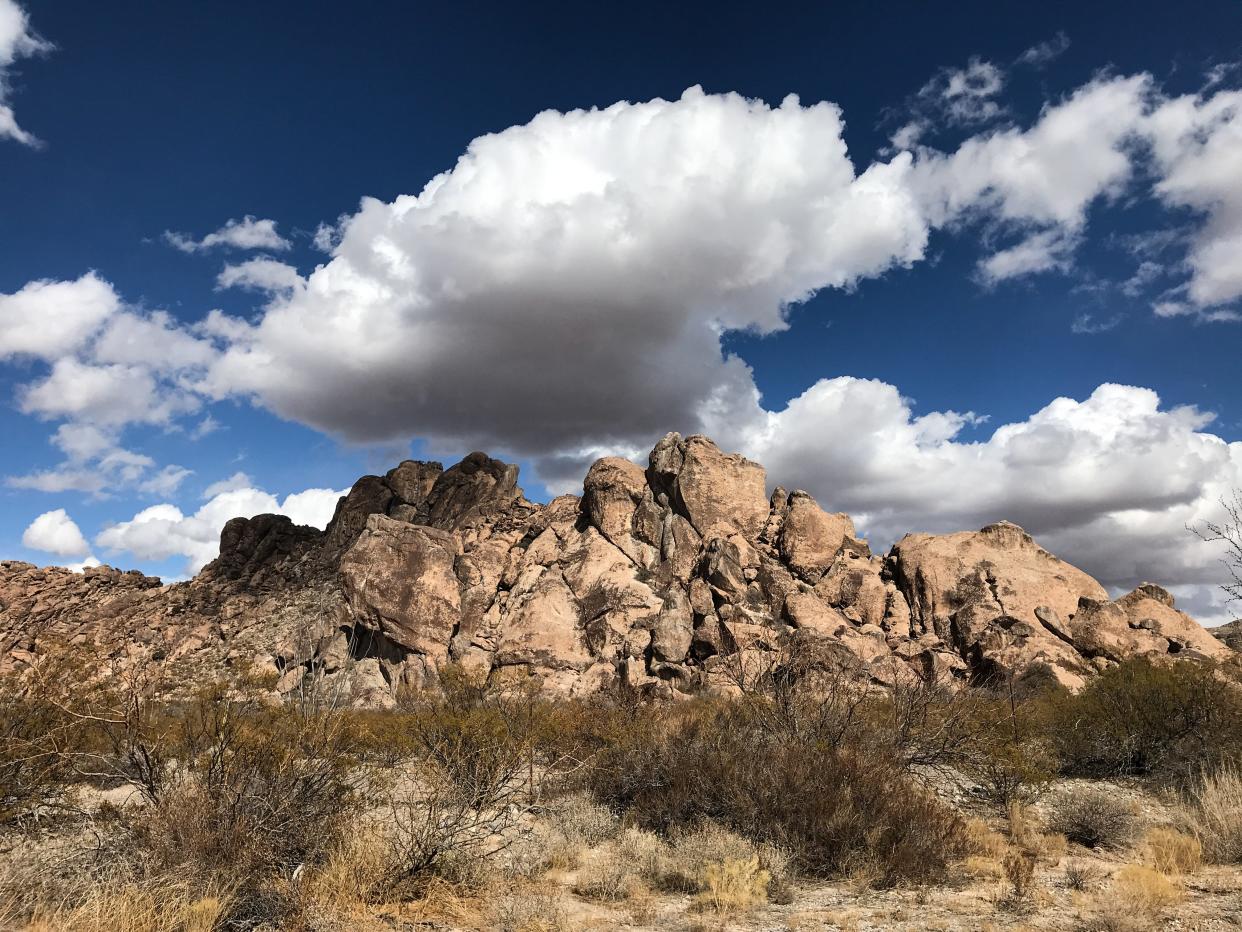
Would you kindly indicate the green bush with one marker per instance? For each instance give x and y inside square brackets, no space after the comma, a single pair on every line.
[837,806]
[1144,718]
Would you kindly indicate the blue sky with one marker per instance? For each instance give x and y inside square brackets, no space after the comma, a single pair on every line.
[1010,205]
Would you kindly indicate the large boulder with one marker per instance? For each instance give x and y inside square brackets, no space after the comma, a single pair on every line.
[719,493]
[810,538]
[470,492]
[989,594]
[1143,622]
[399,579]
[617,500]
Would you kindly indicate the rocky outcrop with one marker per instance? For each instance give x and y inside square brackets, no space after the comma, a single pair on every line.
[678,577]
[1229,634]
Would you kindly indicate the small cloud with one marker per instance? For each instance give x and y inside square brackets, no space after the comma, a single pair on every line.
[1040,54]
[1220,73]
[1199,314]
[965,95]
[1147,273]
[1045,251]
[17,40]
[1089,323]
[165,482]
[208,425]
[326,237]
[247,233]
[55,532]
[260,274]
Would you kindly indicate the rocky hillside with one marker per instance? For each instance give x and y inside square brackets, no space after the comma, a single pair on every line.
[680,576]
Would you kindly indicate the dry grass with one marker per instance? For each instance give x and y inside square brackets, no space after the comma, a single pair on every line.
[733,886]
[1171,852]
[1025,833]
[131,908]
[984,842]
[1136,899]
[1215,808]
[356,872]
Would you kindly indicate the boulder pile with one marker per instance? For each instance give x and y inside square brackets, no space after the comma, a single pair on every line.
[677,577]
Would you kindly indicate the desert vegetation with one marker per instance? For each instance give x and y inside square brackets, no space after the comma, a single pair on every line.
[803,799]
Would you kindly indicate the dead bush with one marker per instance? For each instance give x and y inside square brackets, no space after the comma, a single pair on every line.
[1091,817]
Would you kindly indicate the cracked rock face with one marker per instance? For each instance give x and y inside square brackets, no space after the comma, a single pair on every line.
[669,578]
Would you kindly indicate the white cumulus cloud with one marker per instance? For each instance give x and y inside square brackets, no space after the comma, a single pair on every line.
[55,532]
[49,319]
[567,282]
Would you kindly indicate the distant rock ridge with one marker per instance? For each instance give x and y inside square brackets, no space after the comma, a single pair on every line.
[675,578]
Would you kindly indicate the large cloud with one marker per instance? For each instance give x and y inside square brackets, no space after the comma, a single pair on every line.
[566,284]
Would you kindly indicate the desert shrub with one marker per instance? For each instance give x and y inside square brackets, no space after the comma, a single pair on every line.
[532,912]
[581,820]
[1008,755]
[35,731]
[1215,811]
[1081,876]
[1019,870]
[259,792]
[608,878]
[1141,717]
[832,803]
[694,849]
[1091,817]
[1171,852]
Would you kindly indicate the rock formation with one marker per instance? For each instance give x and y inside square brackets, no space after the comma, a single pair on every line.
[676,578]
